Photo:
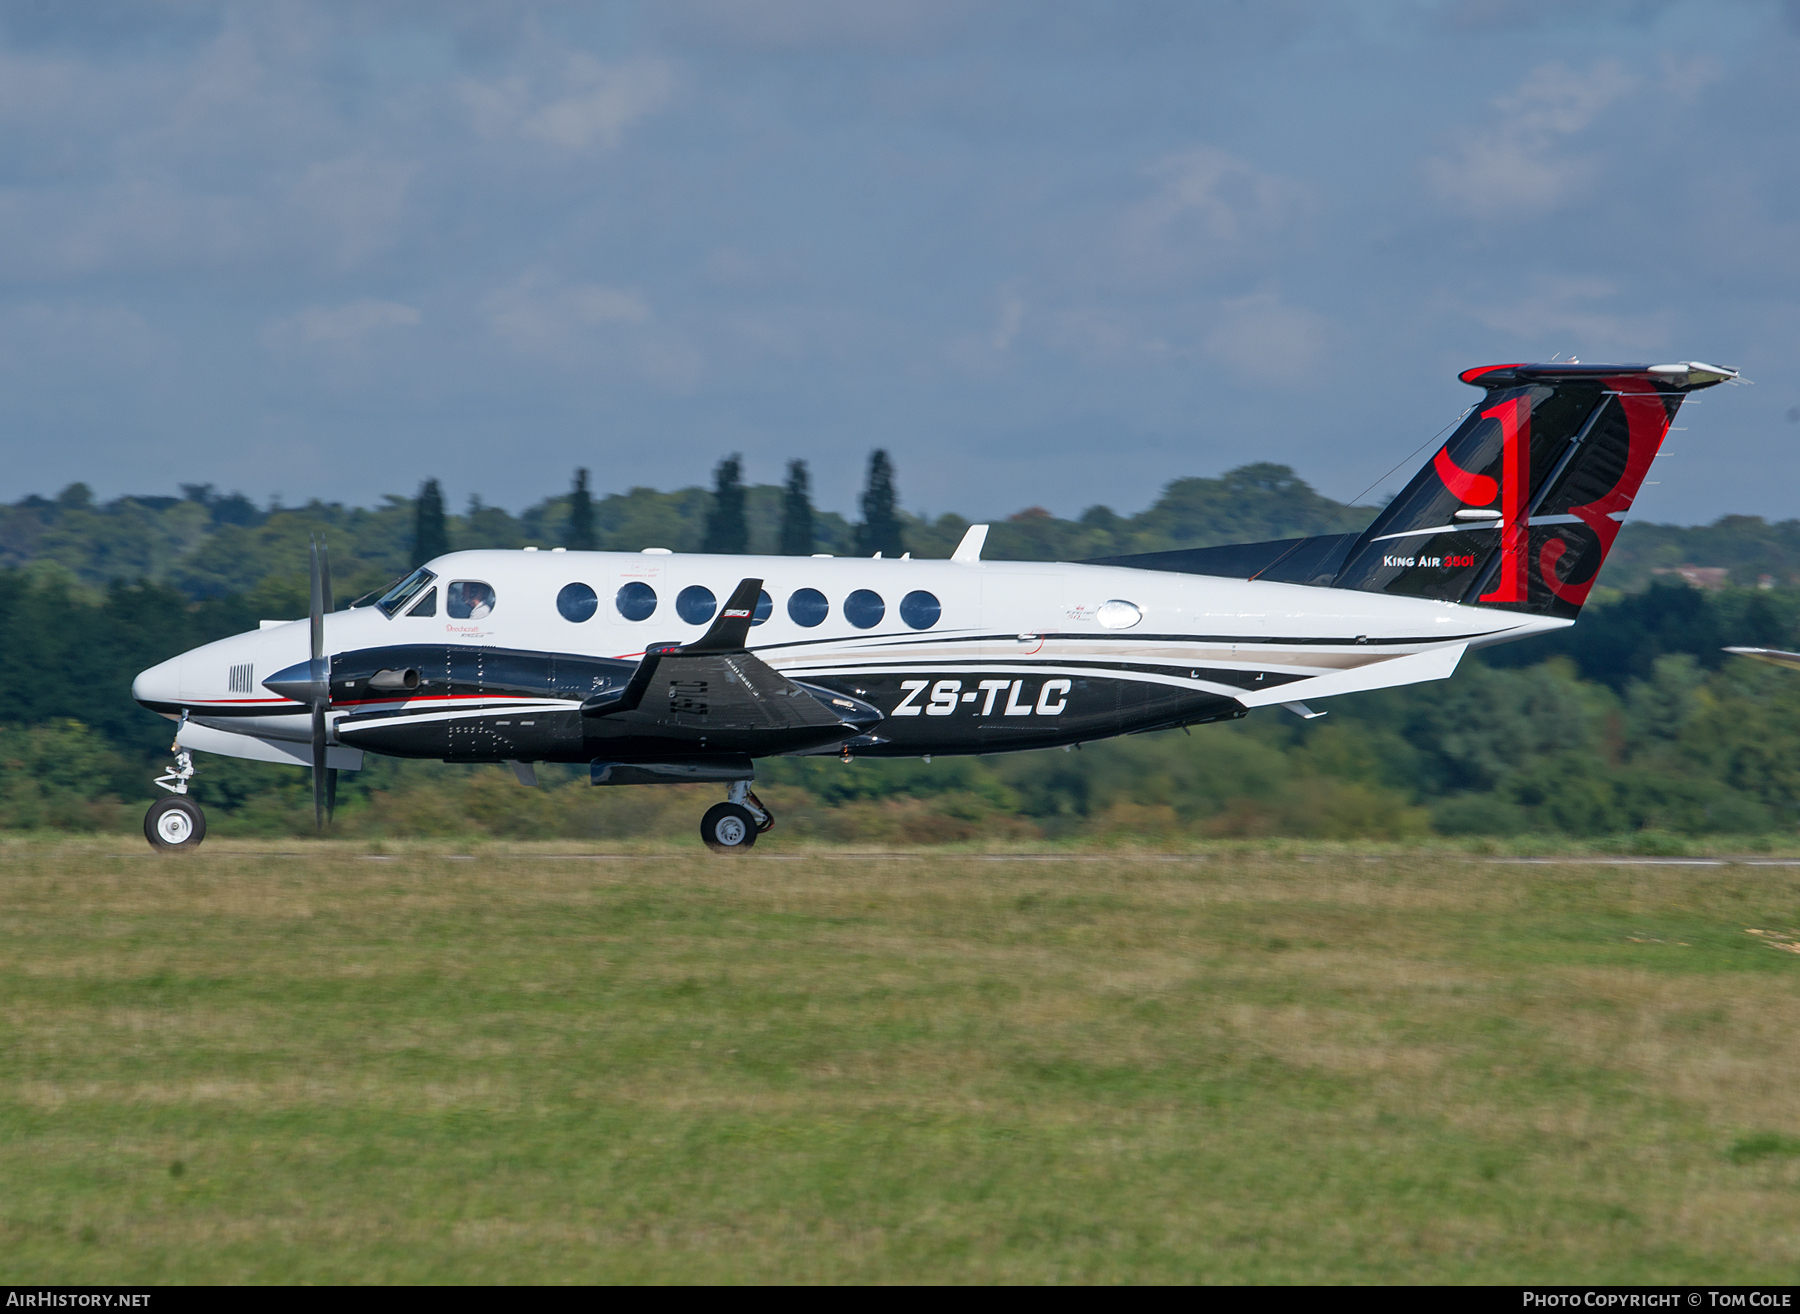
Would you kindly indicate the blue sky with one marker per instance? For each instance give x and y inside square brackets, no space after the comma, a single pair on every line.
[1045,252]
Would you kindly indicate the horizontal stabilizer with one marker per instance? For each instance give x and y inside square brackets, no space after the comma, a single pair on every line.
[1774,656]
[1437,664]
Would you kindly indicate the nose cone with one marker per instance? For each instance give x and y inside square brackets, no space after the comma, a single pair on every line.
[159,688]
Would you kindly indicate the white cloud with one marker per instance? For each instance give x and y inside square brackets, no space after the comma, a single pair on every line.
[355,204]
[226,153]
[885,26]
[542,317]
[1104,336]
[1207,204]
[574,104]
[1515,167]
[1686,78]
[1010,319]
[589,326]
[347,323]
[111,334]
[1267,341]
[1568,316]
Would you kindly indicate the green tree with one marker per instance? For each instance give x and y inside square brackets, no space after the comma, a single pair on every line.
[797,513]
[880,530]
[431,538]
[578,532]
[726,529]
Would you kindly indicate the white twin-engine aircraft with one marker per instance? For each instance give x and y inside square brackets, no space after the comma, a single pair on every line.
[629,662]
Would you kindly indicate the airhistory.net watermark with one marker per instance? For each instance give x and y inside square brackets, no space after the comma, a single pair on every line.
[77,1300]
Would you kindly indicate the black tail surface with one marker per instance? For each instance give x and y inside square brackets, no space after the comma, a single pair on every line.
[1517,510]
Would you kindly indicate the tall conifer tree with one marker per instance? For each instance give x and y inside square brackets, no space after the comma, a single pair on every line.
[726,528]
[431,536]
[578,533]
[797,513]
[880,528]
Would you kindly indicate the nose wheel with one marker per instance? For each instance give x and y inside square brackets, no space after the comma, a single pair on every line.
[175,825]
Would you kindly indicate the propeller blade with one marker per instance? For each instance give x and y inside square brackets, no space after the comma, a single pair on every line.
[318,605]
[318,764]
[325,577]
[331,775]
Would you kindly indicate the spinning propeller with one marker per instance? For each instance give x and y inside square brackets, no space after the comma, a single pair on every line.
[314,687]
[324,780]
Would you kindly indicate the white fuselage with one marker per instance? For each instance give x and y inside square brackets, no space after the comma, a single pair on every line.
[996,619]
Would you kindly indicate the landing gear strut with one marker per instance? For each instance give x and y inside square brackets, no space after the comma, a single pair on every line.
[176,825]
[732,826]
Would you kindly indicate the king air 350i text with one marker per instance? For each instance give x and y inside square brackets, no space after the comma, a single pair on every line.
[659,668]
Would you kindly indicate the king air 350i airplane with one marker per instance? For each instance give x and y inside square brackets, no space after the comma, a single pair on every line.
[628,662]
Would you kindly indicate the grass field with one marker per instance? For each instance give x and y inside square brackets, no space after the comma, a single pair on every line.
[306,1062]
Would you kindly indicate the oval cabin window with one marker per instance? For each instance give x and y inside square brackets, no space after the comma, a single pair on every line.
[765,607]
[920,609]
[864,609]
[636,601]
[695,604]
[577,602]
[808,607]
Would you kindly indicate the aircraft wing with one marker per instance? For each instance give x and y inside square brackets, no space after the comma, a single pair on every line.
[714,695]
[1774,656]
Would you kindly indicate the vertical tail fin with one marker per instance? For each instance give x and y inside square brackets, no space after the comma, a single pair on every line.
[1520,507]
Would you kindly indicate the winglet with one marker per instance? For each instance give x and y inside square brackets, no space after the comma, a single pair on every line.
[731,630]
[970,547]
[627,697]
[1774,656]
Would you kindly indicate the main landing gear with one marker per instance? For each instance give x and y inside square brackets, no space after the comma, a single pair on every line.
[732,826]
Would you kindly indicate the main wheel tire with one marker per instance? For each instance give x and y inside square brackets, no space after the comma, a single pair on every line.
[175,825]
[728,828]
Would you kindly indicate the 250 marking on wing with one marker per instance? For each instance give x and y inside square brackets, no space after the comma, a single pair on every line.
[948,695]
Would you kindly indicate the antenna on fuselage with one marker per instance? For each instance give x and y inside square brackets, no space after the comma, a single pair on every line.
[970,547]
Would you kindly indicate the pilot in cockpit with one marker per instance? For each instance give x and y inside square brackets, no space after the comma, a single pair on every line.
[469,599]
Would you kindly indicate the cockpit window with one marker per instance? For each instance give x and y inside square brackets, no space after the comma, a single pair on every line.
[404,592]
[425,606]
[468,599]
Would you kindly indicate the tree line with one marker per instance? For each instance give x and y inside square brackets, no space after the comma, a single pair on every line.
[1633,721]
[727,525]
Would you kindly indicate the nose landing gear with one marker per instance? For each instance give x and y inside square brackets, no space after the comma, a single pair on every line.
[176,825]
[732,826]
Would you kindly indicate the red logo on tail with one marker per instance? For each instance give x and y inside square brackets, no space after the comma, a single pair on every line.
[1515,487]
